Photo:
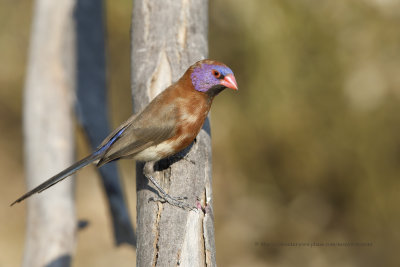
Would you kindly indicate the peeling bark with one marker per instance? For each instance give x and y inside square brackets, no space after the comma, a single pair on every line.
[168,37]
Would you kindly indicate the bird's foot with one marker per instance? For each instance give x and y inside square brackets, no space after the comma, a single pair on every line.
[165,197]
[174,201]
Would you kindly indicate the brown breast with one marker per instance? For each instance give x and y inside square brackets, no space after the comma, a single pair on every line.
[193,108]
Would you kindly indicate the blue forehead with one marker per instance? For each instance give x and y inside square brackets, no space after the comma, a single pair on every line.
[224,70]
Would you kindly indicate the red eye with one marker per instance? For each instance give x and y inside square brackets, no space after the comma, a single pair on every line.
[216,74]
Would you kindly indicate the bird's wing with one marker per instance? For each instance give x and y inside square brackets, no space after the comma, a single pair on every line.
[116,133]
[151,127]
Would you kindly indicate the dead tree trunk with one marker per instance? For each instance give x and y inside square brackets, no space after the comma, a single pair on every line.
[48,133]
[168,37]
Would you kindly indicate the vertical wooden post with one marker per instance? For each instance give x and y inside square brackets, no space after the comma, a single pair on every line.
[167,37]
[49,135]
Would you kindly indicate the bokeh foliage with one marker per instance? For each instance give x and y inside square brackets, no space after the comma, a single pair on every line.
[307,150]
[312,140]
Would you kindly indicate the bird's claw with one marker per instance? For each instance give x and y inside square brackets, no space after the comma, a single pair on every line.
[174,201]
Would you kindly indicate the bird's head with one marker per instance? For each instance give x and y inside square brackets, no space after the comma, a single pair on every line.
[211,77]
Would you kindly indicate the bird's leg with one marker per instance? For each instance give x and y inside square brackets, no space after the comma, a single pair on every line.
[174,201]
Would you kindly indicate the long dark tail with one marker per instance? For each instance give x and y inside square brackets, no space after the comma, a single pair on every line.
[61,176]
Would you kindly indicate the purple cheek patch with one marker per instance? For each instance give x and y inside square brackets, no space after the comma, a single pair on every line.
[203,78]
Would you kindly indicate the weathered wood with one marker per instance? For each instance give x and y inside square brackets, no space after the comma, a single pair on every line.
[92,106]
[49,135]
[168,37]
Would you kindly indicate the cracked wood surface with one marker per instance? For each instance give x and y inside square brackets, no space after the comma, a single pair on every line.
[168,37]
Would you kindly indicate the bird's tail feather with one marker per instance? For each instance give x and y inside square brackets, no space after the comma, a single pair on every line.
[60,176]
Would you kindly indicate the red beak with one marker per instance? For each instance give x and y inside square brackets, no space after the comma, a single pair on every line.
[230,82]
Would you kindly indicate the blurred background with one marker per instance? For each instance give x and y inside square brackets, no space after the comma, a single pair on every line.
[307,151]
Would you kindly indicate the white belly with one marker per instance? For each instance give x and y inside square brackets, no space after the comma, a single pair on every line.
[157,152]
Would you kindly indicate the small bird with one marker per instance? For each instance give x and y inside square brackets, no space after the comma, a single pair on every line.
[168,124]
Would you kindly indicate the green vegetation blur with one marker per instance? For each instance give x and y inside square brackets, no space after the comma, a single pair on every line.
[306,155]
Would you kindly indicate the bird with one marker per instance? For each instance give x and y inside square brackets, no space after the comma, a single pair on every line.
[167,125]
